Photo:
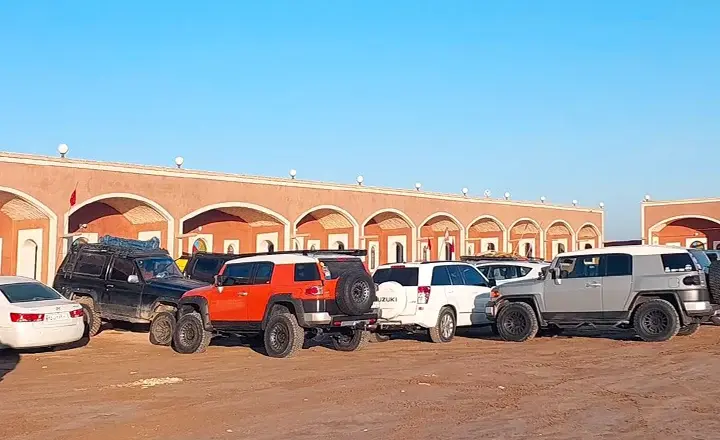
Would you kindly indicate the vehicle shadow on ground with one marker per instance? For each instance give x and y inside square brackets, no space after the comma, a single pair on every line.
[612,334]
[9,359]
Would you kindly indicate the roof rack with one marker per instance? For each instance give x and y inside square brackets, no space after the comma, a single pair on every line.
[501,257]
[348,252]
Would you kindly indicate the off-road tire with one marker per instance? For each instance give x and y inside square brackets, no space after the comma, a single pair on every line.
[91,316]
[283,335]
[162,328]
[380,337]
[343,342]
[688,329]
[656,321]
[714,281]
[445,328]
[715,320]
[190,335]
[517,322]
[355,292]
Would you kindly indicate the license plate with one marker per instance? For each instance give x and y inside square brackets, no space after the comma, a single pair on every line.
[53,317]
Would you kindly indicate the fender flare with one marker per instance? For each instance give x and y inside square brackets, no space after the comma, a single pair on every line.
[288,299]
[643,297]
[195,302]
[76,292]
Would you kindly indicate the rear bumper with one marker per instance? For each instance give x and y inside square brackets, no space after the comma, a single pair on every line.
[26,335]
[698,308]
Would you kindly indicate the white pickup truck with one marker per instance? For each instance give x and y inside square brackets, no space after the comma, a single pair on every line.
[436,297]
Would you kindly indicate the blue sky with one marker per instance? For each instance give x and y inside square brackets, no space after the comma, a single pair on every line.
[594,101]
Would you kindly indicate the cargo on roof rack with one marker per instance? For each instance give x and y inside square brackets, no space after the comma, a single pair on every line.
[500,257]
[151,244]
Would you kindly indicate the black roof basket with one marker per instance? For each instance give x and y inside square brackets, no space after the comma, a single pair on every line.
[348,252]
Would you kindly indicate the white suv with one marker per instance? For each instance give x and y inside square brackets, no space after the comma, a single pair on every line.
[501,272]
[432,296]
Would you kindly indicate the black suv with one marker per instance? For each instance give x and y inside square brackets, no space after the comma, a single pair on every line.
[124,280]
[203,266]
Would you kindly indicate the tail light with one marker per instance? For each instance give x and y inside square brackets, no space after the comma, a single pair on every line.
[494,292]
[77,313]
[423,296]
[27,317]
[693,280]
[314,290]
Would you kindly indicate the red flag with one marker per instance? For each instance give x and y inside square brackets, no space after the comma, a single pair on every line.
[73,197]
[429,244]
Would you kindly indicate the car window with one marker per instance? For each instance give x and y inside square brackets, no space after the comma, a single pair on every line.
[405,276]
[678,262]
[263,273]
[485,270]
[122,269]
[307,272]
[585,266]
[90,264]
[472,277]
[455,275]
[238,274]
[28,292]
[157,268]
[523,271]
[440,276]
[206,268]
[338,266]
[504,272]
[701,258]
[712,256]
[617,265]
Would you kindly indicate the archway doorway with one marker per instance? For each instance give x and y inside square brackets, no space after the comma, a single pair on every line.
[324,227]
[391,233]
[29,263]
[443,235]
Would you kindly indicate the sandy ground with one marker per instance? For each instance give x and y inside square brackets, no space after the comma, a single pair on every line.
[584,386]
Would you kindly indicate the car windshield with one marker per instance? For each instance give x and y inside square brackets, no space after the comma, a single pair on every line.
[158,267]
[701,258]
[28,292]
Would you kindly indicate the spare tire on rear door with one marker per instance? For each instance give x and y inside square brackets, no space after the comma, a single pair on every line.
[391,299]
[714,281]
[355,292]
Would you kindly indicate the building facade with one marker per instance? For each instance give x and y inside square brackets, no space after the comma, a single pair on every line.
[688,223]
[206,211]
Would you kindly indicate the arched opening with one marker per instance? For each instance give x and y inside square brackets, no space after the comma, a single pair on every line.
[696,232]
[373,257]
[29,260]
[392,233]
[324,226]
[339,245]
[443,234]
[199,245]
[486,234]
[558,238]
[399,253]
[588,237]
[249,228]
[121,215]
[269,246]
[27,247]
[230,249]
[525,238]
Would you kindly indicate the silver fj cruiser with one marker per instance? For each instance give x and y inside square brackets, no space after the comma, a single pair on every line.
[659,291]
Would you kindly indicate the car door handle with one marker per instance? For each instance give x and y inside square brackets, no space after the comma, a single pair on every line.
[109,286]
[242,294]
[593,284]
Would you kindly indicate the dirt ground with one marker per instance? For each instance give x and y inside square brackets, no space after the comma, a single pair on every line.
[583,386]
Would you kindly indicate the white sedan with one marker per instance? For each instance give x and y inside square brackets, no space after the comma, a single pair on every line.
[34,315]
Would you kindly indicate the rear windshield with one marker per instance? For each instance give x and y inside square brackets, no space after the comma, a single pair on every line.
[405,276]
[205,268]
[28,292]
[337,266]
[680,262]
[307,272]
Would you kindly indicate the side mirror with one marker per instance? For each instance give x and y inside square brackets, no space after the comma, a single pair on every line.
[492,283]
[133,279]
[218,280]
[554,273]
